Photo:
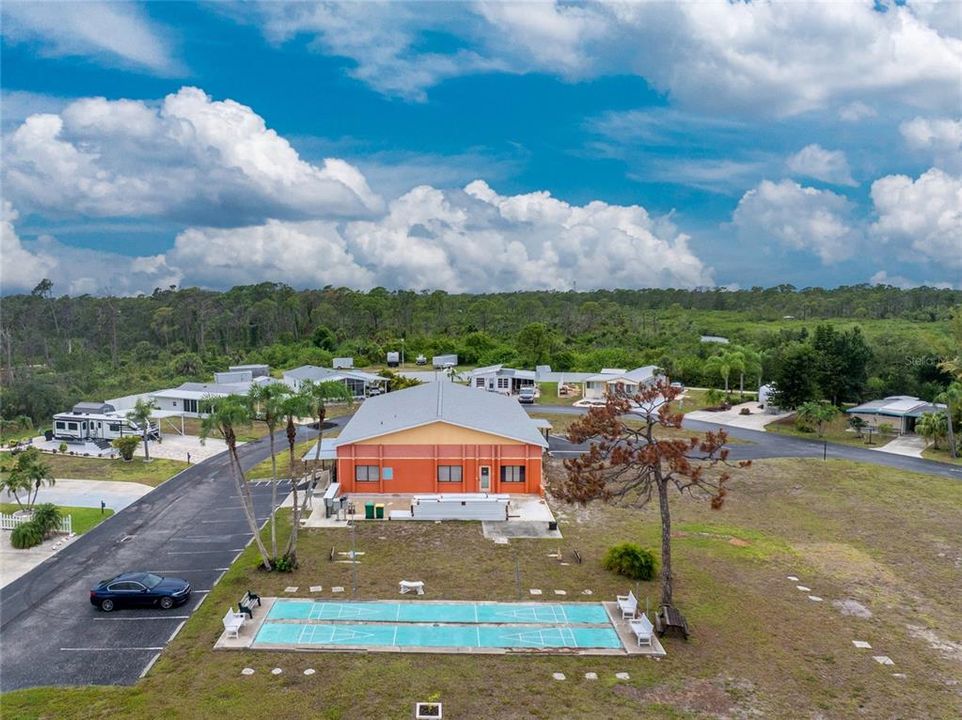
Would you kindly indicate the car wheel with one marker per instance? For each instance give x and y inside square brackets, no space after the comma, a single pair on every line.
[167,602]
[107,605]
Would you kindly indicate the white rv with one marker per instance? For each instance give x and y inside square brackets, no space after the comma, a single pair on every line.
[96,421]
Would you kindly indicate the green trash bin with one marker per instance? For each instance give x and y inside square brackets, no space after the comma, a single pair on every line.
[379,511]
[368,511]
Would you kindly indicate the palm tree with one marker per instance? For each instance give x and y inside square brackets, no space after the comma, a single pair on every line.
[952,397]
[932,426]
[751,364]
[724,363]
[320,394]
[140,416]
[292,406]
[226,413]
[28,474]
[265,402]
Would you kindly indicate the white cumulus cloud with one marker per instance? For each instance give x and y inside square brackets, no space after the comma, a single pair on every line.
[189,158]
[923,217]
[112,32]
[799,218]
[940,137]
[814,161]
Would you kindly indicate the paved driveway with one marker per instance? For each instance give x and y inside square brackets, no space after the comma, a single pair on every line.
[89,493]
[191,526]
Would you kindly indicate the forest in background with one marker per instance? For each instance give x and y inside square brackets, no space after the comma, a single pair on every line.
[56,350]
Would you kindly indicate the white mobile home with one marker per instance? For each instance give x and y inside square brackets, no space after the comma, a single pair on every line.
[97,422]
[615,381]
[500,379]
[444,361]
[359,383]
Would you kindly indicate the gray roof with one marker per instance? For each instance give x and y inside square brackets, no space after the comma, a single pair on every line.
[897,406]
[320,374]
[637,375]
[501,371]
[441,402]
[92,407]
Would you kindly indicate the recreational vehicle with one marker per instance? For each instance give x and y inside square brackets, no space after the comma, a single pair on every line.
[96,421]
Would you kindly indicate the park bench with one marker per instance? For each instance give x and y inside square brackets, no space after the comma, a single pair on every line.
[628,604]
[670,618]
[642,628]
[233,622]
[415,586]
[246,604]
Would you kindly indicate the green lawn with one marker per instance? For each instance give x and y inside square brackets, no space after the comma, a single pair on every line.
[549,395]
[836,431]
[942,454]
[89,468]
[12,436]
[885,542]
[83,518]
[263,470]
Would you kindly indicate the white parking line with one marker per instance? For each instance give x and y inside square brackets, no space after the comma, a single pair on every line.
[150,617]
[176,630]
[200,552]
[149,665]
[212,537]
[190,570]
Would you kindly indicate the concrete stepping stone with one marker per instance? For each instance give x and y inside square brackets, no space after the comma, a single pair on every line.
[558,676]
[565,563]
[291,589]
[883,659]
[861,645]
[586,592]
[501,541]
[247,671]
[534,591]
[815,598]
[803,588]
[276,671]
[316,588]
[337,589]
[560,592]
[591,676]
[310,671]
[793,578]
[899,675]
[623,676]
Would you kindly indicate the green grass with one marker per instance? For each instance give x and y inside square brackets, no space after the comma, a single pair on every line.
[942,455]
[89,468]
[759,647]
[549,395]
[263,470]
[83,518]
[11,436]
[836,431]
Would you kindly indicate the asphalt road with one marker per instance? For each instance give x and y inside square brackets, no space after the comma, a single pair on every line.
[191,526]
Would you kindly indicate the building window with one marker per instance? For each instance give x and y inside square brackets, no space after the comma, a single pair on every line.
[72,426]
[388,473]
[512,473]
[114,427]
[504,383]
[366,473]
[61,425]
[479,382]
[449,473]
[190,406]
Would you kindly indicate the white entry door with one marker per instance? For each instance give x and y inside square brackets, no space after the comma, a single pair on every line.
[484,478]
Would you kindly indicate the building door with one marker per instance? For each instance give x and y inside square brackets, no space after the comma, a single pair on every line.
[484,478]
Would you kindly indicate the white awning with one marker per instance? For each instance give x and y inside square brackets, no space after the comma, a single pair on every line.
[328,452]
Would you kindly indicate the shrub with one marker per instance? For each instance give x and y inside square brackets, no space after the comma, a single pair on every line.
[886,429]
[26,536]
[62,447]
[47,517]
[126,445]
[631,561]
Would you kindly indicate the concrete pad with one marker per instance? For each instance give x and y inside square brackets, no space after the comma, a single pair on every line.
[803,588]
[591,676]
[560,592]
[534,591]
[861,644]
[500,541]
[88,493]
[623,676]
[247,671]
[310,671]
[316,588]
[815,598]
[276,671]
[883,659]
[558,676]
[14,563]
[907,445]
[175,446]
[757,420]
[899,675]
[536,529]
[793,578]
[337,589]
[291,589]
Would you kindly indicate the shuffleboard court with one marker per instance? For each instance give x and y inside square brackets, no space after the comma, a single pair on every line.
[431,612]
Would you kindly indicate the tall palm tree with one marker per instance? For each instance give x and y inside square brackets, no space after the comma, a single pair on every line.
[751,365]
[292,406]
[952,397]
[320,394]
[28,474]
[724,363]
[139,415]
[932,426]
[265,402]
[226,413]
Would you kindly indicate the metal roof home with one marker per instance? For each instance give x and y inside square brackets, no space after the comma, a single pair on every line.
[441,402]
[906,408]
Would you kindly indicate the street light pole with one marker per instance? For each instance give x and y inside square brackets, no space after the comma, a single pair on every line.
[402,352]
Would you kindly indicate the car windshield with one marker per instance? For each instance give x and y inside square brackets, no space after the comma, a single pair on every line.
[151,581]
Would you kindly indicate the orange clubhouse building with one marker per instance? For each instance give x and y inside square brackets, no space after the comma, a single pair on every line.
[440,438]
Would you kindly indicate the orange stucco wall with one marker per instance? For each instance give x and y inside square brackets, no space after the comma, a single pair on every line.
[414,466]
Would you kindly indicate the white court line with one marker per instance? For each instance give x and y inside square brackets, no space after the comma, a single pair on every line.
[109,649]
[477,628]
[394,639]
[151,617]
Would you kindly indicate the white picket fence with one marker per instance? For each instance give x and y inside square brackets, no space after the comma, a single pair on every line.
[9,522]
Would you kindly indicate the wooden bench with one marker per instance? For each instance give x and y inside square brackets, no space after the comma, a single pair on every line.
[628,604]
[246,604]
[642,628]
[233,622]
[670,618]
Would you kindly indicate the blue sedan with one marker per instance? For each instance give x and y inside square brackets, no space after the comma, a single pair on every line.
[139,589]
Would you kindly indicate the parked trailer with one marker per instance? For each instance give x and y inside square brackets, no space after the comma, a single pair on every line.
[393,359]
[96,421]
[444,361]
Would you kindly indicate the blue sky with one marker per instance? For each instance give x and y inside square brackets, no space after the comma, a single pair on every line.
[481,146]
